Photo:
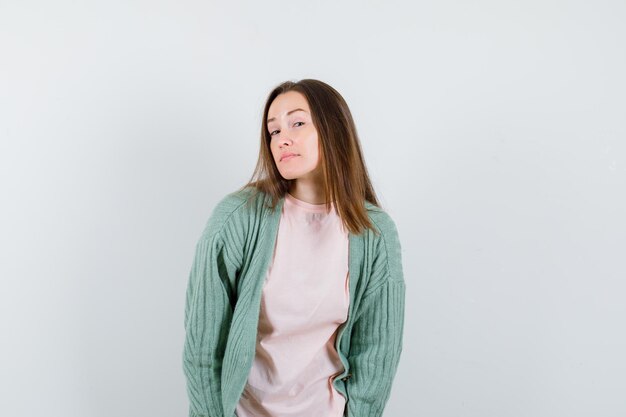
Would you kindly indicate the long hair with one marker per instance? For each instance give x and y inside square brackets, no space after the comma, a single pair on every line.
[345,178]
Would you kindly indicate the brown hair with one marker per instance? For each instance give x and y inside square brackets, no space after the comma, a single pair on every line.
[345,178]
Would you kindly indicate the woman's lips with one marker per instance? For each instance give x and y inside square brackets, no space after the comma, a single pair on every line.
[287,158]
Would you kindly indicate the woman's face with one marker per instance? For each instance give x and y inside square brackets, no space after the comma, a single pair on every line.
[291,130]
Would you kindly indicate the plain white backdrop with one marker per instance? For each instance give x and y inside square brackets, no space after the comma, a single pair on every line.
[494,133]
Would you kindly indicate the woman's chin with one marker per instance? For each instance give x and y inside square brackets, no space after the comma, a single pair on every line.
[290,175]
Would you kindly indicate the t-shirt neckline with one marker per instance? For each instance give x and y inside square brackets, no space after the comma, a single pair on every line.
[306,205]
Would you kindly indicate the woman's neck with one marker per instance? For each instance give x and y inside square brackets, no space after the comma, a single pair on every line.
[308,192]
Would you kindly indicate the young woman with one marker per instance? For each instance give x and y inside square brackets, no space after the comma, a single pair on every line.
[295,299]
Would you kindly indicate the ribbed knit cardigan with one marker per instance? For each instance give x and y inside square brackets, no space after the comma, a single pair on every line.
[223,298]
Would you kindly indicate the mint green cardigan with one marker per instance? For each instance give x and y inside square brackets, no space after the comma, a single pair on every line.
[223,300]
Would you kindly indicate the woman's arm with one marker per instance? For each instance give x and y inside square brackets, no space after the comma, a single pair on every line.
[209,305]
[208,313]
[376,341]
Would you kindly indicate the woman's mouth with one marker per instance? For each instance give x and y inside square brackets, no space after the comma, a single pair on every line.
[287,158]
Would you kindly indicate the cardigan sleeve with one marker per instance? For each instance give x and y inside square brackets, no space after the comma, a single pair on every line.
[209,305]
[376,341]
[208,312]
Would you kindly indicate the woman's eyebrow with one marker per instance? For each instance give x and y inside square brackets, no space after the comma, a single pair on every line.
[288,113]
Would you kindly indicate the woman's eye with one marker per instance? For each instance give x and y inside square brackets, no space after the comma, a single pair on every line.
[273,131]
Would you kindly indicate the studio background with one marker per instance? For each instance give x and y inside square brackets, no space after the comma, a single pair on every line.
[494,133]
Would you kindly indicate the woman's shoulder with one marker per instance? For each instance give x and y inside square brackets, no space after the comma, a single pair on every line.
[236,199]
[372,207]
[230,211]
[383,221]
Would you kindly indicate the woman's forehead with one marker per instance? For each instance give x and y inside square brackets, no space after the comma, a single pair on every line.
[286,104]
